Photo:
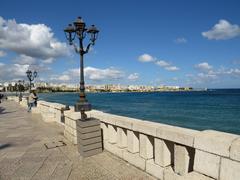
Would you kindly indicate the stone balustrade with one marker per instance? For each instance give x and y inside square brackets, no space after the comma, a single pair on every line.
[164,151]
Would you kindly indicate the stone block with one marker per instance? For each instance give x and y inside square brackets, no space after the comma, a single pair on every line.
[132,141]
[105,117]
[235,150]
[97,114]
[144,127]
[181,159]
[58,116]
[70,137]
[73,115]
[146,146]
[88,129]
[104,128]
[207,163]
[124,122]
[89,135]
[112,133]
[163,152]
[74,140]
[121,137]
[170,175]
[154,169]
[74,132]
[230,170]
[88,122]
[176,134]
[113,149]
[134,159]
[48,117]
[214,142]
[90,141]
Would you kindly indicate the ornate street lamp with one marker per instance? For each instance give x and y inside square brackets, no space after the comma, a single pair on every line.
[79,30]
[31,76]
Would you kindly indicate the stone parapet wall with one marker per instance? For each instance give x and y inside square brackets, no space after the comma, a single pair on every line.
[170,152]
[50,112]
[164,151]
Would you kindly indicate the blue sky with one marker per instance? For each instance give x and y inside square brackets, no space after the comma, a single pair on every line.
[185,43]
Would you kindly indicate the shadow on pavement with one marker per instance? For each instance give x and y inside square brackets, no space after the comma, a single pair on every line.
[2,146]
[2,111]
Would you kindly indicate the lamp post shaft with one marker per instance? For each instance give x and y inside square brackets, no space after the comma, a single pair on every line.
[82,86]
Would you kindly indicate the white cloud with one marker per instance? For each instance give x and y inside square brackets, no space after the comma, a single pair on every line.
[180,40]
[206,76]
[146,58]
[162,63]
[2,53]
[13,71]
[166,65]
[133,77]
[222,31]
[204,66]
[90,73]
[48,61]
[23,59]
[172,68]
[102,74]
[64,77]
[34,40]
[211,75]
[231,71]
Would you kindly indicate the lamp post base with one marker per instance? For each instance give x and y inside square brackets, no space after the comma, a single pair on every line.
[82,106]
[89,137]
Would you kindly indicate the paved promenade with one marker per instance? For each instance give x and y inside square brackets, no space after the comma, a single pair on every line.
[27,151]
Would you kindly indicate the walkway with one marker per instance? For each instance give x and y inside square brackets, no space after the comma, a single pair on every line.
[23,153]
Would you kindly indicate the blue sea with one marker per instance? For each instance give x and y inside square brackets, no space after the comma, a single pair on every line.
[213,109]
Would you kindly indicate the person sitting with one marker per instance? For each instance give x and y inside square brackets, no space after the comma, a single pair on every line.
[32,99]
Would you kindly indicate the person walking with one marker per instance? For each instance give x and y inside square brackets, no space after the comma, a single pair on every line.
[32,99]
[1,97]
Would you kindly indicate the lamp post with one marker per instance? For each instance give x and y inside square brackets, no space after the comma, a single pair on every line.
[79,30]
[31,76]
[20,88]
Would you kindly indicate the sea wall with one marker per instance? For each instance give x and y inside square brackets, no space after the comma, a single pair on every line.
[164,151]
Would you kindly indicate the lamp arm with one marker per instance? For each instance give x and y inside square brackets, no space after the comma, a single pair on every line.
[31,78]
[88,47]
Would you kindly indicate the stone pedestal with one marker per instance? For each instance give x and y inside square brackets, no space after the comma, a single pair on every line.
[89,137]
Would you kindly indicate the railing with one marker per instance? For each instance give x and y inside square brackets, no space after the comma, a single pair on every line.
[164,151]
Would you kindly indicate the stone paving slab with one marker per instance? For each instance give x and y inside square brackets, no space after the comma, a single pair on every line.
[23,154]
